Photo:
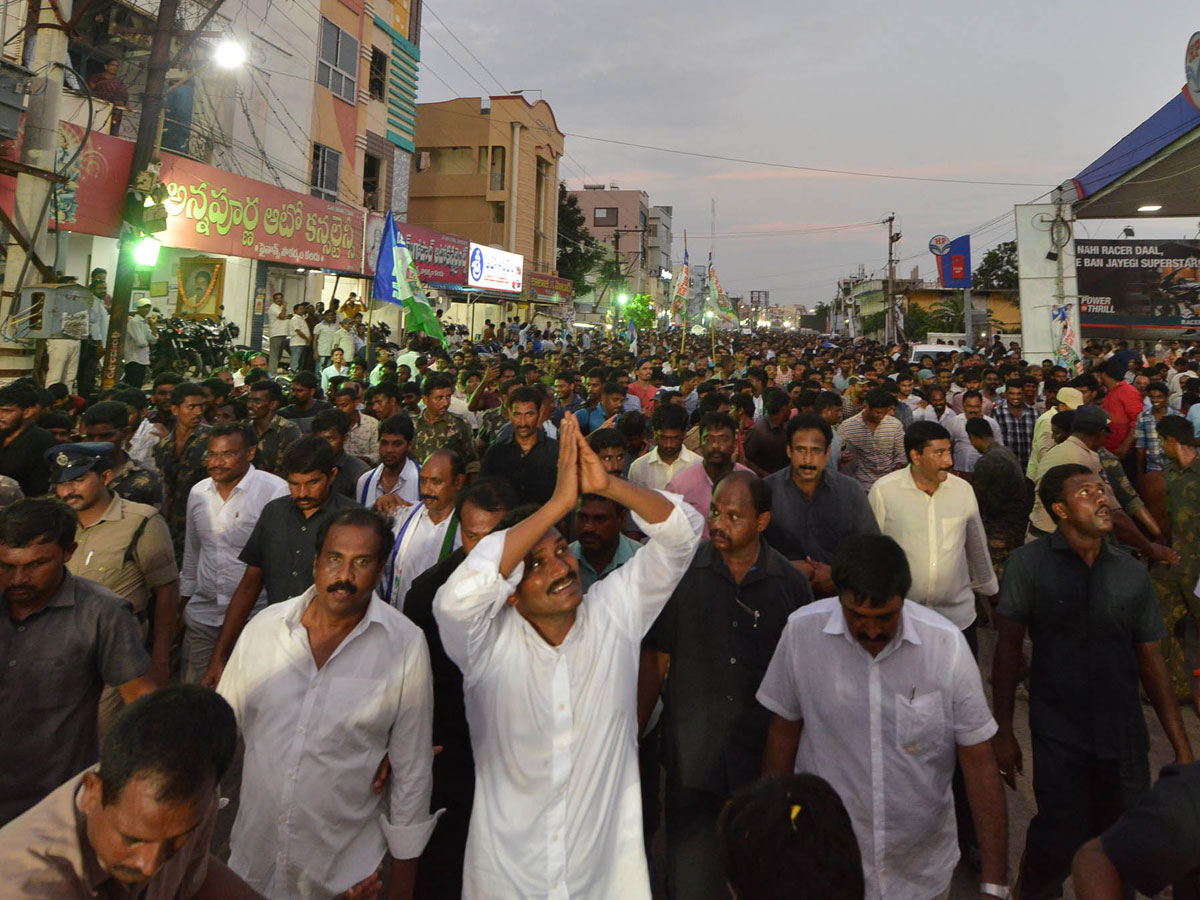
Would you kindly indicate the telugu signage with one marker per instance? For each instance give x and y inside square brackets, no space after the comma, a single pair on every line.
[549,288]
[441,259]
[208,210]
[494,270]
[1138,284]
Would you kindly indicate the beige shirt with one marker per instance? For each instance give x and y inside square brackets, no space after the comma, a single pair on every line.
[44,855]
[1072,450]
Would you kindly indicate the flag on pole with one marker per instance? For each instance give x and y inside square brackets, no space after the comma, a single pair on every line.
[718,301]
[679,299]
[633,336]
[397,282]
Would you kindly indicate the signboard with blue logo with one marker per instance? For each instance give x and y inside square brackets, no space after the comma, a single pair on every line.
[954,262]
[494,270]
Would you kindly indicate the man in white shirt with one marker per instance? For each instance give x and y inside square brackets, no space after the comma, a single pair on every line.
[279,330]
[965,455]
[934,516]
[880,696]
[936,410]
[337,366]
[300,340]
[324,686]
[138,338]
[669,457]
[394,482]
[221,512]
[323,334]
[550,689]
[429,531]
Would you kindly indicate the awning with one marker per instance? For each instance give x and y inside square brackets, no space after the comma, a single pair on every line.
[1157,164]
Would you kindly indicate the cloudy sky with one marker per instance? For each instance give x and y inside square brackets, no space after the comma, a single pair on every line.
[1023,94]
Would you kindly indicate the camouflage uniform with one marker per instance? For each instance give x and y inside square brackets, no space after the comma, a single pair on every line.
[273,442]
[1122,488]
[447,433]
[490,424]
[137,484]
[179,474]
[1175,585]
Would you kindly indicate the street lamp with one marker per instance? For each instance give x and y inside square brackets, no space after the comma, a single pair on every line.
[623,299]
[228,54]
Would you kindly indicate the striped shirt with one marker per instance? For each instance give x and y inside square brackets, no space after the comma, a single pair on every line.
[1017,431]
[876,453]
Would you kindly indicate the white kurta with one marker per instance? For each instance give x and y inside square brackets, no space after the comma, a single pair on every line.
[558,810]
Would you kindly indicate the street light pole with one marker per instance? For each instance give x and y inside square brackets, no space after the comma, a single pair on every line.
[143,154]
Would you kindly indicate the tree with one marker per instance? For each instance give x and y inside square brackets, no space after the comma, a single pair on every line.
[641,310]
[917,322]
[998,268]
[947,314]
[578,251]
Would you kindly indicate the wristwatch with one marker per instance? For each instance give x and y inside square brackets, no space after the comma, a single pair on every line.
[996,890]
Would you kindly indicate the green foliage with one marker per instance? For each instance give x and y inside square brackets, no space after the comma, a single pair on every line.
[998,268]
[918,322]
[578,251]
[641,310]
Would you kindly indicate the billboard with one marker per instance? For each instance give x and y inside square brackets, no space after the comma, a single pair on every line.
[954,262]
[1133,285]
[494,270]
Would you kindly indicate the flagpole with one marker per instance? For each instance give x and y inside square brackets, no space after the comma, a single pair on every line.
[683,340]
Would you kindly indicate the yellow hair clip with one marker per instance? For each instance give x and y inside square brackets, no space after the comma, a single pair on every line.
[796,807]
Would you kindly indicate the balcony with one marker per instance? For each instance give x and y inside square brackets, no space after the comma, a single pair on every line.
[430,184]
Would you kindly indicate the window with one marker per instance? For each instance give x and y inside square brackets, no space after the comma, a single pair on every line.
[378,74]
[373,172]
[497,177]
[337,66]
[605,217]
[326,167]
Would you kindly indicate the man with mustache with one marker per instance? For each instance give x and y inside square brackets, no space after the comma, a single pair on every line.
[428,532]
[933,515]
[718,441]
[880,697]
[526,459]
[717,634]
[140,823]
[274,433]
[65,638]
[222,511]
[550,676]
[1096,628]
[394,483]
[279,552]
[124,546]
[813,507]
[324,685]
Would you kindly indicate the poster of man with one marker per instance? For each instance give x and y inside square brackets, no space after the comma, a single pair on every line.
[201,281]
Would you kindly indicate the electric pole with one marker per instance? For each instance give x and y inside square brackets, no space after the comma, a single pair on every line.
[889,334]
[143,152]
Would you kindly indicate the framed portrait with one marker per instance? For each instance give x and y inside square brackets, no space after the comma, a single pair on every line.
[201,286]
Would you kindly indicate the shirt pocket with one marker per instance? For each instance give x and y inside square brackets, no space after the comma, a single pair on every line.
[55,682]
[953,530]
[920,724]
[356,711]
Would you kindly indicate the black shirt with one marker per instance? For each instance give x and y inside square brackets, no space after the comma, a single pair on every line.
[801,527]
[1157,841]
[54,665]
[349,469]
[22,460]
[533,474]
[1084,685]
[304,417]
[454,767]
[283,545]
[714,728]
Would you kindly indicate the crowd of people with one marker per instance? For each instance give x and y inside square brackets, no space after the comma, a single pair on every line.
[482,618]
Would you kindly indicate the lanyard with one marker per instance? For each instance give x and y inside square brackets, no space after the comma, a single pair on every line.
[396,548]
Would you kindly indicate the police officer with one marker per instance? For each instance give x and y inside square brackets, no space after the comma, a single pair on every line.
[124,546]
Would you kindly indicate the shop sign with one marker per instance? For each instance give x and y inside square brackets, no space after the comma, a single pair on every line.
[209,210]
[494,270]
[1138,283]
[542,286]
[441,258]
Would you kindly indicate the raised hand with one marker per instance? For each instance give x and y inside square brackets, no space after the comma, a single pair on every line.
[593,477]
[566,489]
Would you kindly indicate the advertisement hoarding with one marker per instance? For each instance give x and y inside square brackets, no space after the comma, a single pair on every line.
[494,270]
[1136,284]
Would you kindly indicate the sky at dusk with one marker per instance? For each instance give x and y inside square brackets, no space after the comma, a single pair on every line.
[1023,94]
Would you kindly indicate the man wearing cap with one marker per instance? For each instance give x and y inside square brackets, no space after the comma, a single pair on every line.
[122,545]
[64,638]
[1043,440]
[138,338]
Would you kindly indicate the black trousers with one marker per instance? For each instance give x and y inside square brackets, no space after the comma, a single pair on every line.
[89,364]
[440,870]
[693,851]
[1078,796]
[135,374]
